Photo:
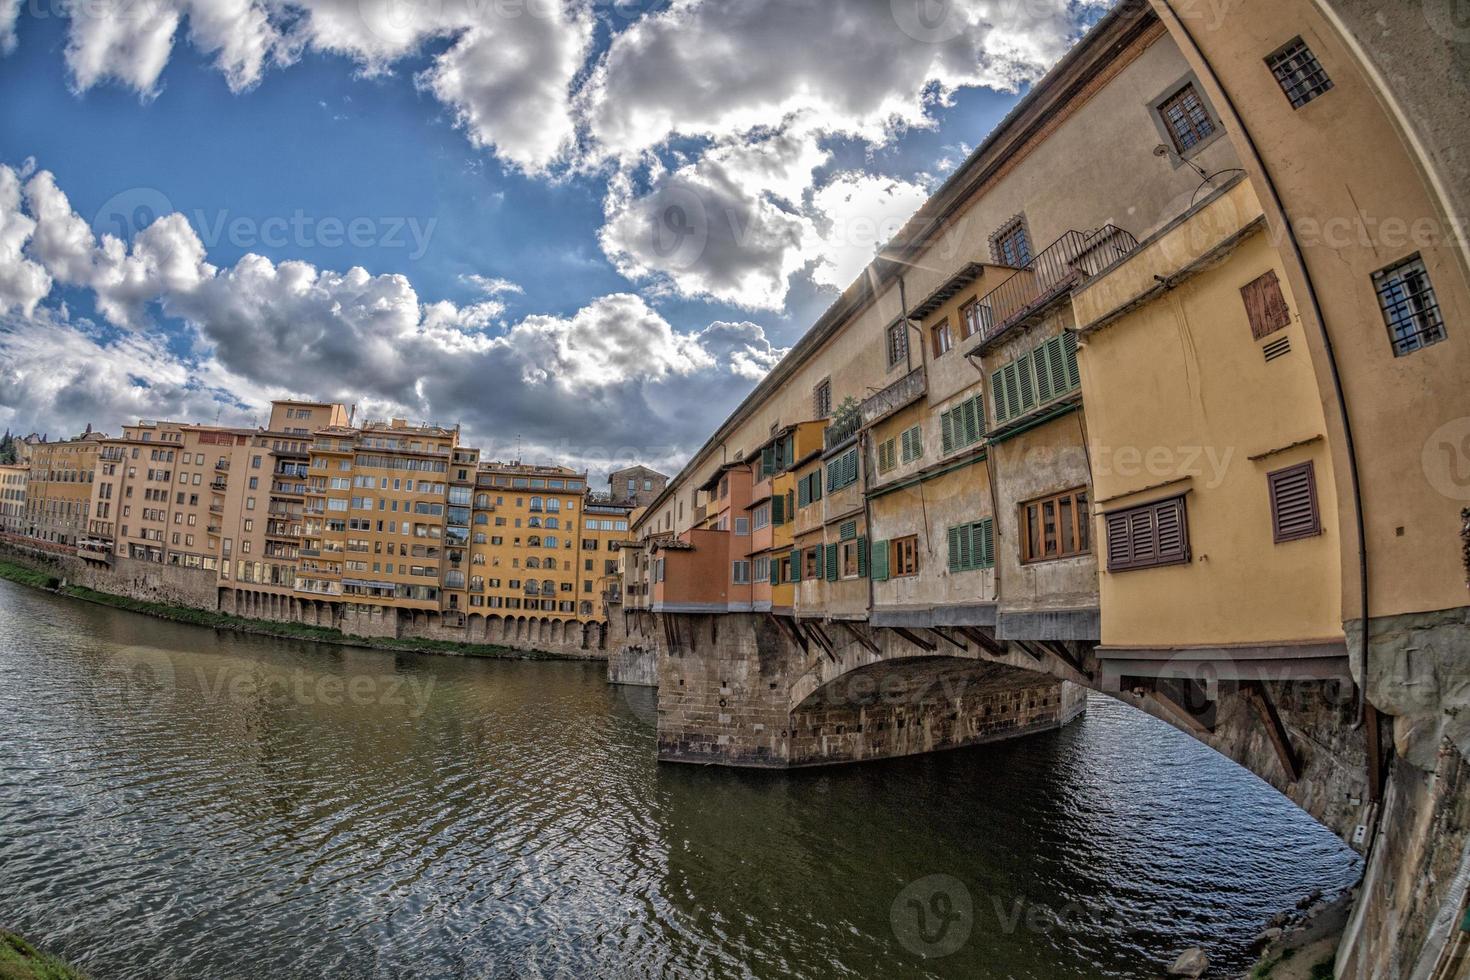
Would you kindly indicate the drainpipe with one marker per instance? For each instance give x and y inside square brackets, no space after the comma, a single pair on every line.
[1340,397]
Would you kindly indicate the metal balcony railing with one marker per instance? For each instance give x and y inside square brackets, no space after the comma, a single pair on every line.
[842,428]
[1072,258]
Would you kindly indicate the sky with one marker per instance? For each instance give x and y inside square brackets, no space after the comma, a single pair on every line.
[581,229]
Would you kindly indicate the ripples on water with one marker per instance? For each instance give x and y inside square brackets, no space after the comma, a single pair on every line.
[178,802]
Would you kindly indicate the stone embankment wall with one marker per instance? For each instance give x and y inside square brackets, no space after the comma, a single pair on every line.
[195,588]
[633,664]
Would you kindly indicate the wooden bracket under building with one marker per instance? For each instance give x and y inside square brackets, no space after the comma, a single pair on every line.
[792,633]
[915,638]
[858,635]
[987,642]
[1059,650]
[1260,699]
[939,632]
[814,630]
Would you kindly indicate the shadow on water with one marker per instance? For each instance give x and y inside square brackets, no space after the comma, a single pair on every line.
[177,801]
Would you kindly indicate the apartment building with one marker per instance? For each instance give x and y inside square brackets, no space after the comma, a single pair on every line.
[58,488]
[13,478]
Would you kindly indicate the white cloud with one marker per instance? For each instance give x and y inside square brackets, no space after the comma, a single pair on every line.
[615,372]
[491,285]
[9,13]
[859,213]
[23,282]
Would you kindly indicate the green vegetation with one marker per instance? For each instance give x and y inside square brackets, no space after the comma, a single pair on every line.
[19,960]
[224,621]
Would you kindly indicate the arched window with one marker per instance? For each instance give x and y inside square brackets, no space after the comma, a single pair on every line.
[533,542]
[482,518]
[586,608]
[454,580]
[548,587]
[535,504]
[477,560]
[553,505]
[533,562]
[535,522]
[550,563]
[477,583]
[482,500]
[480,537]
[550,540]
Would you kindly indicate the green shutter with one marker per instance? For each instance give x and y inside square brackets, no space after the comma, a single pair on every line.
[985,543]
[775,570]
[768,461]
[1048,384]
[946,430]
[878,561]
[795,565]
[1069,359]
[803,492]
[862,547]
[998,395]
[954,548]
[1027,379]
[778,509]
[848,530]
[831,562]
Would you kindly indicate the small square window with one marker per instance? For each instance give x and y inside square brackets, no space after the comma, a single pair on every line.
[1011,245]
[1410,309]
[1186,118]
[1298,72]
[897,342]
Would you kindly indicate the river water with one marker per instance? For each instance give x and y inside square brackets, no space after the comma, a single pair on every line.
[180,802]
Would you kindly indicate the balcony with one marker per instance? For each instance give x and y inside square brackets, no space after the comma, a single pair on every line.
[218,485]
[222,465]
[212,530]
[843,427]
[905,391]
[1071,259]
[216,508]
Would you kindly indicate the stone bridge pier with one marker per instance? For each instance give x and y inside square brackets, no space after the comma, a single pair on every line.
[763,690]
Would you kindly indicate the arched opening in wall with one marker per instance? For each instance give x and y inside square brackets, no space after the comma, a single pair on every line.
[475,628]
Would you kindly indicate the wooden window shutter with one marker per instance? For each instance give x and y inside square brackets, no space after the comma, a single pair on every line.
[831,562]
[972,415]
[997,395]
[847,530]
[1265,307]
[878,560]
[1294,513]
[795,565]
[1148,536]
[862,547]
[954,548]
[803,492]
[985,543]
[946,425]
[778,509]
[1027,381]
[1069,360]
[775,570]
[1013,392]
[1047,381]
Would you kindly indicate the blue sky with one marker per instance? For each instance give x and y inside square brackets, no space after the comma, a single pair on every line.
[432,148]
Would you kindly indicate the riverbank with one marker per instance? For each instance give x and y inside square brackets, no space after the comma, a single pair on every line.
[1302,945]
[19,960]
[12,571]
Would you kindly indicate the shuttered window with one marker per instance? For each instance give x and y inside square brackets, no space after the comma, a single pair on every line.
[887,455]
[963,425]
[878,561]
[809,489]
[1265,307]
[1050,371]
[972,546]
[1148,536]
[847,530]
[778,509]
[1294,513]
[912,442]
[832,562]
[842,471]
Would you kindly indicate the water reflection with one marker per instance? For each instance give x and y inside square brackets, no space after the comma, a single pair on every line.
[180,802]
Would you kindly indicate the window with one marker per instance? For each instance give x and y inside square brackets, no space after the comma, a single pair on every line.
[1298,72]
[822,399]
[742,526]
[942,337]
[809,488]
[898,342]
[1294,513]
[1055,527]
[740,572]
[1148,536]
[1011,245]
[905,558]
[912,442]
[1186,118]
[842,471]
[1265,307]
[1047,372]
[1410,309]
[851,565]
[761,569]
[972,546]
[762,516]
[811,567]
[963,425]
[974,319]
[887,456]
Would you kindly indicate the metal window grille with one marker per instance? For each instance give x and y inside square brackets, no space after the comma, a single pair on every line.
[1299,73]
[1188,120]
[1410,309]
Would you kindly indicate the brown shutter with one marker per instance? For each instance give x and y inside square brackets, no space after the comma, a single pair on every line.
[1264,305]
[1148,536]
[1294,513]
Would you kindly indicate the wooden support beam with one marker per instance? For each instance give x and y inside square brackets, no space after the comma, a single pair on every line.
[915,638]
[862,638]
[814,631]
[986,641]
[1030,650]
[1260,699]
[937,631]
[792,633]
[1059,649]
[1373,732]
